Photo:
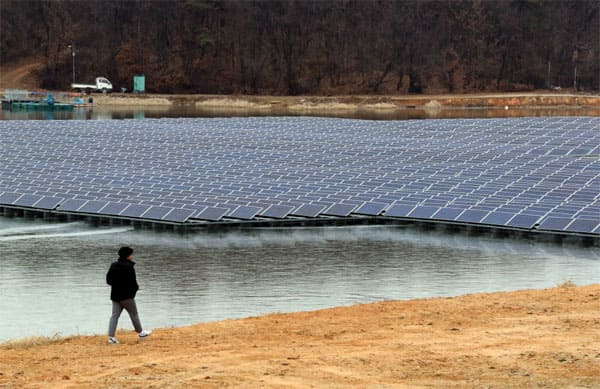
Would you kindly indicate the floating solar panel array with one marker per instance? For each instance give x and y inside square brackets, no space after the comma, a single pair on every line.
[526,173]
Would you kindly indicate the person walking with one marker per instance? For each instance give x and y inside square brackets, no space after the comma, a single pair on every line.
[124,286]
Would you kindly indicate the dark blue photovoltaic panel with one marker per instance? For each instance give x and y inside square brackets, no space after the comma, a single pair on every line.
[340,210]
[498,218]
[212,214]
[472,216]
[447,213]
[156,212]
[178,215]
[9,198]
[110,208]
[94,206]
[27,200]
[244,212]
[399,210]
[277,211]
[48,202]
[134,210]
[554,223]
[423,212]
[308,210]
[371,209]
[523,221]
[583,225]
[71,205]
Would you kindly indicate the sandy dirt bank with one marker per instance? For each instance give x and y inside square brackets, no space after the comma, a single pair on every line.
[534,338]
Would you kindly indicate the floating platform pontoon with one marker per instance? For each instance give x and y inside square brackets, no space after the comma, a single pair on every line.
[35,106]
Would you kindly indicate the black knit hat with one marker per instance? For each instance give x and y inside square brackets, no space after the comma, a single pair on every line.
[125,251]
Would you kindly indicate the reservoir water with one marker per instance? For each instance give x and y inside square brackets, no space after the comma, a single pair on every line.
[52,279]
[53,275]
[147,112]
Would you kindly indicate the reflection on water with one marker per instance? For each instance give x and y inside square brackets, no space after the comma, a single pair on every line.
[114,112]
[53,274]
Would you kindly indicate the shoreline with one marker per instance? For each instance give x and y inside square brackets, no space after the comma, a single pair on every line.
[353,102]
[378,107]
[359,107]
[508,339]
[384,107]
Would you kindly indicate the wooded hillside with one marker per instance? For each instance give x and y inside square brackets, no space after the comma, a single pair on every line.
[310,47]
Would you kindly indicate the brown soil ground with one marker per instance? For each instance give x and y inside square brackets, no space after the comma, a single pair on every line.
[21,75]
[534,338]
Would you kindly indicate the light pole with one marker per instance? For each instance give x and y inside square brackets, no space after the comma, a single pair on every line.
[72,47]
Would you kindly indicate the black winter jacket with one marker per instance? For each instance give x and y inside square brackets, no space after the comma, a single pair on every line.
[121,277]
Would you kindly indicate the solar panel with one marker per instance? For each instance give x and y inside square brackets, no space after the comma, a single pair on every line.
[110,208]
[523,221]
[308,210]
[71,205]
[277,211]
[48,202]
[9,198]
[27,200]
[93,206]
[399,210]
[583,225]
[341,210]
[423,212]
[555,223]
[497,218]
[244,212]
[178,215]
[134,210]
[156,212]
[448,213]
[371,209]
[212,213]
[472,216]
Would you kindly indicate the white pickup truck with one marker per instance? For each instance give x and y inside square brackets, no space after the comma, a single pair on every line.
[102,85]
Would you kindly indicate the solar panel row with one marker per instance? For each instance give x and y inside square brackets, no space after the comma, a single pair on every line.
[521,173]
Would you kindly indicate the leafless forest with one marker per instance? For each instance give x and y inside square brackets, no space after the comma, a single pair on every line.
[310,47]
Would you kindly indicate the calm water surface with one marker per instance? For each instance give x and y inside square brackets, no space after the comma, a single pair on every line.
[147,112]
[53,275]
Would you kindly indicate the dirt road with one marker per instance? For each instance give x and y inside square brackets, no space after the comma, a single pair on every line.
[21,75]
[533,338]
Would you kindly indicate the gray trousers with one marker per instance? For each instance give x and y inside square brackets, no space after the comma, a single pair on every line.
[117,308]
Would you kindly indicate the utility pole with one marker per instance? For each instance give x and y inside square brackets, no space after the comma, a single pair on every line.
[575,58]
[72,47]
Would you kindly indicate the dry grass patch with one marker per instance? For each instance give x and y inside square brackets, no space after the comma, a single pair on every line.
[380,106]
[230,103]
[135,101]
[321,107]
[31,341]
[566,284]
